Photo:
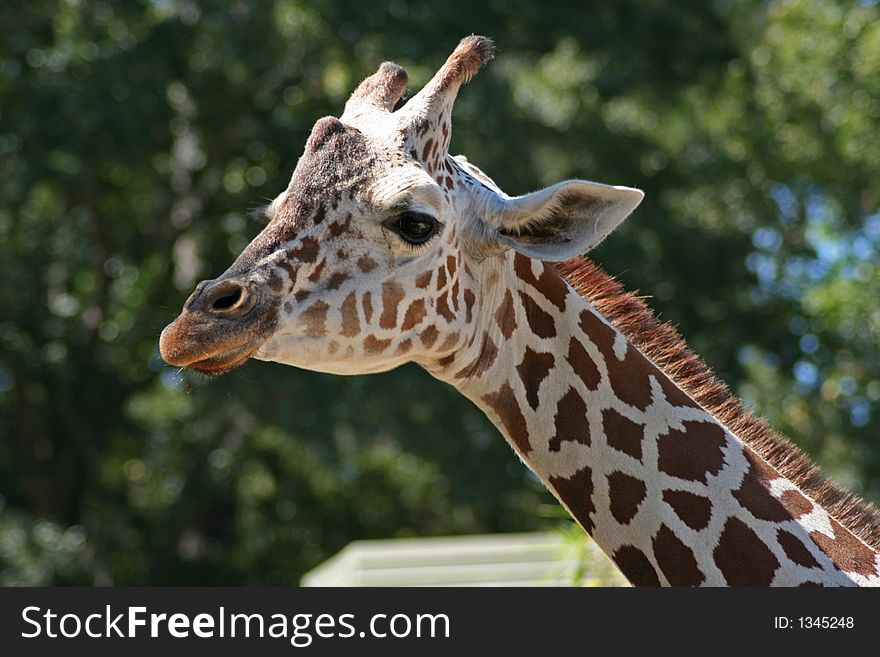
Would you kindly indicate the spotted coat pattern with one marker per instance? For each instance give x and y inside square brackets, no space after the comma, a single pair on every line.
[671,495]
[664,488]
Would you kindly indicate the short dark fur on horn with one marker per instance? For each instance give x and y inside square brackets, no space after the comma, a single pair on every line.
[464,62]
[380,91]
[432,106]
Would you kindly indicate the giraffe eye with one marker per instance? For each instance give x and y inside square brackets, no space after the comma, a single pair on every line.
[415,227]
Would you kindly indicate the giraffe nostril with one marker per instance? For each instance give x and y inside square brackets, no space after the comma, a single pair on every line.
[227,300]
[224,297]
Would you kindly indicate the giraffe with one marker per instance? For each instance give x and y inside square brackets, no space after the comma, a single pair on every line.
[385,249]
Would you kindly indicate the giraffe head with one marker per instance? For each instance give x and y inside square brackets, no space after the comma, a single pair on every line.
[373,254]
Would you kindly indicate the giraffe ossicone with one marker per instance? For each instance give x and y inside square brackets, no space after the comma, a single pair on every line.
[385,249]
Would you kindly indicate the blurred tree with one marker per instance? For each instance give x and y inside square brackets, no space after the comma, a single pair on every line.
[134,136]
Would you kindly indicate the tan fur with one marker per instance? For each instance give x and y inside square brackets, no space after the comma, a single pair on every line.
[662,344]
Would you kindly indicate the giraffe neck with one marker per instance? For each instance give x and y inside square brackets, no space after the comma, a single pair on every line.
[663,487]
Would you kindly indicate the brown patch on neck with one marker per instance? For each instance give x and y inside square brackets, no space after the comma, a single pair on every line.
[626,494]
[504,316]
[636,566]
[503,403]
[469,300]
[533,369]
[676,560]
[661,344]
[576,492]
[797,504]
[540,322]
[742,557]
[629,378]
[622,434]
[848,553]
[583,365]
[692,454]
[549,284]
[754,492]
[796,550]
[693,510]
[570,422]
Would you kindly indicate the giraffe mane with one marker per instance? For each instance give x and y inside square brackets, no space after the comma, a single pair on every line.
[661,343]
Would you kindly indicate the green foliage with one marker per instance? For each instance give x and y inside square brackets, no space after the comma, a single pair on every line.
[135,136]
[594,569]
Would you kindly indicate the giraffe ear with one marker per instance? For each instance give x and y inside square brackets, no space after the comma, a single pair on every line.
[564,220]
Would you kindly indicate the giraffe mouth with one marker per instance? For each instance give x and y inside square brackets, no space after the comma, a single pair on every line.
[223,362]
[212,362]
[221,326]
[186,343]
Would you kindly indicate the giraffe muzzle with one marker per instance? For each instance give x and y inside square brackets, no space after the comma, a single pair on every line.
[222,324]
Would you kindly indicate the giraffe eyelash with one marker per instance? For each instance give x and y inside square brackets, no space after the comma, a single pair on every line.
[419,249]
[409,226]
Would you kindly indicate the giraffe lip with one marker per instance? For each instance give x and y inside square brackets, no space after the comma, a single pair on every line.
[223,361]
[179,347]
[215,345]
